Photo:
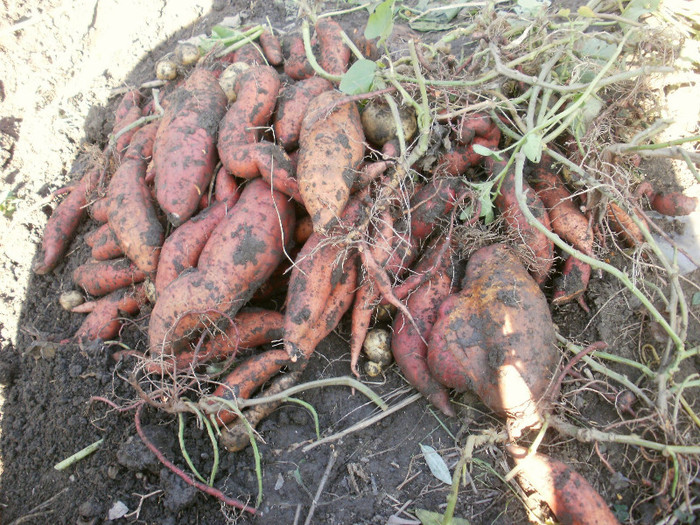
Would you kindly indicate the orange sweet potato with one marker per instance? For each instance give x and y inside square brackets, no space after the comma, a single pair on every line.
[408,345]
[572,499]
[99,209]
[104,243]
[496,337]
[132,213]
[293,102]
[330,149]
[242,252]
[296,65]
[477,129]
[104,319]
[572,282]
[541,247]
[623,226]
[184,153]
[102,277]
[127,113]
[271,47]
[673,204]
[335,54]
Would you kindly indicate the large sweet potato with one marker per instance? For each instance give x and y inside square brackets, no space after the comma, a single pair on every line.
[496,337]
[242,252]
[184,153]
[330,149]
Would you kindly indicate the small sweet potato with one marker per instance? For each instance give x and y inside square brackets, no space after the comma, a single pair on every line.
[104,319]
[242,252]
[462,156]
[104,243]
[99,209]
[673,204]
[496,337]
[102,277]
[623,226]
[541,247]
[296,65]
[330,149]
[127,113]
[184,153]
[132,213]
[271,47]
[335,54]
[572,282]
[408,345]
[572,499]
[294,99]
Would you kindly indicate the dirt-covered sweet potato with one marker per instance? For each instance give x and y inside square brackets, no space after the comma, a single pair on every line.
[496,337]
[132,212]
[104,243]
[330,149]
[102,277]
[242,252]
[105,314]
[184,153]
[572,499]
[294,99]
[335,54]
[296,65]
[127,113]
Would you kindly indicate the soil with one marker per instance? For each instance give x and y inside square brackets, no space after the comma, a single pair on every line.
[61,59]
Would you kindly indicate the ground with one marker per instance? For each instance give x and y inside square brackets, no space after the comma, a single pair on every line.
[61,61]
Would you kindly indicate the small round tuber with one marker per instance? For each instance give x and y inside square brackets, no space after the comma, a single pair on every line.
[379,124]
[69,300]
[377,346]
[166,69]
[186,53]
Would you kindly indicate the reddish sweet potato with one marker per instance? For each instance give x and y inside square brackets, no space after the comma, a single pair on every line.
[247,377]
[63,223]
[240,255]
[182,248]
[408,345]
[335,54]
[541,247]
[572,282]
[673,204]
[99,209]
[132,212]
[104,319]
[250,54]
[462,155]
[271,47]
[102,277]
[496,337]
[127,113]
[296,65]
[331,148]
[184,153]
[293,102]
[104,244]
[623,226]
[572,499]
[249,329]
[565,217]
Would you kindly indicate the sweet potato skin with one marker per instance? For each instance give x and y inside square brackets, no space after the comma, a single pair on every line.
[184,153]
[240,255]
[102,277]
[132,213]
[127,113]
[496,337]
[673,204]
[330,149]
[335,54]
[296,65]
[293,102]
[271,47]
[104,244]
[572,499]
[103,321]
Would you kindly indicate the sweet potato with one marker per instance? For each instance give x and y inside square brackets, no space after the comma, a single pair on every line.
[673,204]
[330,149]
[249,329]
[296,65]
[462,155]
[132,212]
[408,345]
[541,247]
[496,337]
[271,47]
[102,277]
[572,282]
[104,244]
[182,248]
[572,499]
[292,104]
[246,378]
[99,209]
[623,226]
[127,113]
[240,255]
[104,319]
[250,54]
[565,217]
[184,153]
[335,54]
[63,223]
[320,268]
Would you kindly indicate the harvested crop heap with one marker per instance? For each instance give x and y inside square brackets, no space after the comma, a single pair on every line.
[455,184]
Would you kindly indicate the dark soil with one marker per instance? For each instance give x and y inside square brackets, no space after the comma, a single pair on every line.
[49,414]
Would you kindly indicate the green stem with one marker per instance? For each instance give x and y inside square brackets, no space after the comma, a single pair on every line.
[311,410]
[81,454]
[183,449]
[306,36]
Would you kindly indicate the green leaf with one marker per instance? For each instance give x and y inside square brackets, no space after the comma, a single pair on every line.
[223,32]
[585,115]
[485,152]
[437,465]
[586,12]
[532,148]
[696,299]
[530,7]
[595,48]
[637,8]
[381,22]
[427,517]
[359,78]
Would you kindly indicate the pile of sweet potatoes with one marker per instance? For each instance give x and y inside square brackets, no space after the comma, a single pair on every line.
[212,207]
